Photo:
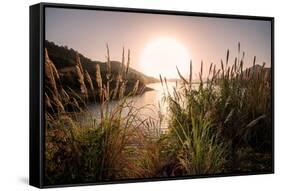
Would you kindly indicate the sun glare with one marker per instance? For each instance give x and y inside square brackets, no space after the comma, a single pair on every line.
[162,55]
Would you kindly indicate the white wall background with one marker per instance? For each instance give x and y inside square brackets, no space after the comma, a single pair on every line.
[14,71]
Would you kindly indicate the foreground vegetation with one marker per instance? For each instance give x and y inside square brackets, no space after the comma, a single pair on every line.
[223,126]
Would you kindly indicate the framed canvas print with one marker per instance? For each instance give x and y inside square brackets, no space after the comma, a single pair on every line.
[127,95]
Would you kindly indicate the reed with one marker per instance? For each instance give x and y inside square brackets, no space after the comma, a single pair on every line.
[223,125]
[99,149]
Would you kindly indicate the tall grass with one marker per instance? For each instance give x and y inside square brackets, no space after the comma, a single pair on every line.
[84,148]
[228,112]
[223,125]
[196,142]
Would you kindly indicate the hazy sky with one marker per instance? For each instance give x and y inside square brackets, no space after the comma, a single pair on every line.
[163,36]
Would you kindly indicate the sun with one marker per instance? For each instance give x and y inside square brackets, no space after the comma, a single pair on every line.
[162,55]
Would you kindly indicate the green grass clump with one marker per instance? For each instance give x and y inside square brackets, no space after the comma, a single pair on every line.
[227,114]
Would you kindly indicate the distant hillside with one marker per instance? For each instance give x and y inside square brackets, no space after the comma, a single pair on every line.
[256,69]
[64,59]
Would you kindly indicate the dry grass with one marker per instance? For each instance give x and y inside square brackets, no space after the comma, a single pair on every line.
[99,149]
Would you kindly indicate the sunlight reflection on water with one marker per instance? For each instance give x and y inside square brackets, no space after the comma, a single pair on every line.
[152,104]
[150,101]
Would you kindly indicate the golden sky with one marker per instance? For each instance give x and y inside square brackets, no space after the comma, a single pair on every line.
[158,42]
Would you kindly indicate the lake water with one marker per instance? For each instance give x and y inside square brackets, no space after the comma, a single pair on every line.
[151,103]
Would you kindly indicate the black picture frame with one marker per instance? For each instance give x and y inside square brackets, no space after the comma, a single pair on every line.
[36,131]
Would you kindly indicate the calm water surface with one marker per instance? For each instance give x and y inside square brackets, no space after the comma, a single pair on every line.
[151,103]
